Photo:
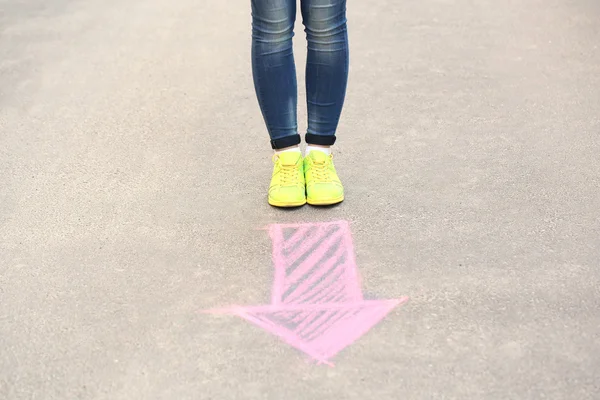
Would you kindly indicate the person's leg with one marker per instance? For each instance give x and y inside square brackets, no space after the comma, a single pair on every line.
[274,73]
[326,80]
[273,69]
[326,67]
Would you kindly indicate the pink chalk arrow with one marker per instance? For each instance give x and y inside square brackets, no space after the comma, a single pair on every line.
[317,305]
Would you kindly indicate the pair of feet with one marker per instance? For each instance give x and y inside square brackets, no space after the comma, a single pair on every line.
[299,180]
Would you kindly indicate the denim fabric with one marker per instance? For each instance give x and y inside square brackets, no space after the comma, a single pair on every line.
[274,70]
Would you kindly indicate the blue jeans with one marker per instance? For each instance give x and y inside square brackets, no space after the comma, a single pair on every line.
[274,71]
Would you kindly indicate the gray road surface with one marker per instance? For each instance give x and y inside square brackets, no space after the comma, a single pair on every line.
[133,171]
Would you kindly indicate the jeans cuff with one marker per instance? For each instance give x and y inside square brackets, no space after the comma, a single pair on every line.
[286,141]
[322,140]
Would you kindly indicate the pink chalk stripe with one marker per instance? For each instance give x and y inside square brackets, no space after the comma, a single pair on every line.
[316,331]
[319,294]
[310,320]
[327,296]
[301,317]
[304,247]
[312,259]
[330,265]
[298,235]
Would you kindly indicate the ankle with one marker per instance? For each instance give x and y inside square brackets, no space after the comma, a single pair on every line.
[316,147]
[290,149]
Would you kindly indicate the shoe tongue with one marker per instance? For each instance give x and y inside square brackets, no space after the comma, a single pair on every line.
[289,158]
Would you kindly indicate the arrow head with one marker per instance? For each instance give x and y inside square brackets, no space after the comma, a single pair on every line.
[321,331]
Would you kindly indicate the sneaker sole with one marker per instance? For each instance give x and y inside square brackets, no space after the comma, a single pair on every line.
[287,205]
[326,202]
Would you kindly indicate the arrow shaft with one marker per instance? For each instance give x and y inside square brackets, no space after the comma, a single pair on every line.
[303,239]
[335,294]
[313,259]
[309,287]
[316,238]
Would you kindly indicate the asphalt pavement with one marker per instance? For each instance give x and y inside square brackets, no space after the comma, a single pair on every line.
[134,164]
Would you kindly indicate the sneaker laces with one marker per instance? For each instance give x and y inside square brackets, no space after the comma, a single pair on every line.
[288,174]
[320,171]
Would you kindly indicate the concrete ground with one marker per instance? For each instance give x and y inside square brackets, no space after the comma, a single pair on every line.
[133,171]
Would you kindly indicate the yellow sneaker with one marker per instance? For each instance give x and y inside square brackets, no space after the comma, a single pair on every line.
[287,183]
[323,186]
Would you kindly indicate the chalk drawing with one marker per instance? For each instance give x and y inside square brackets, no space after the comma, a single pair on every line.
[317,305]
